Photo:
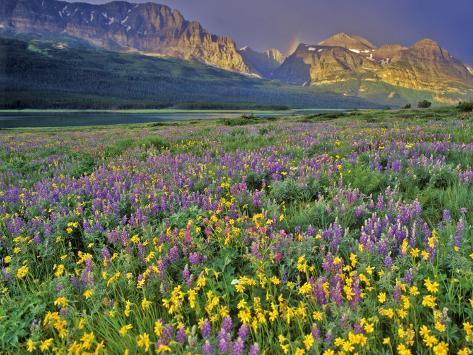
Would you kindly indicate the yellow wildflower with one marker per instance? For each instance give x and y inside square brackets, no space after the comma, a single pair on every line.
[22,272]
[45,344]
[308,341]
[123,330]
[143,341]
[30,346]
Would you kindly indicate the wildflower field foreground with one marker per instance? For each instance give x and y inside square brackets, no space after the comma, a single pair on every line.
[320,235]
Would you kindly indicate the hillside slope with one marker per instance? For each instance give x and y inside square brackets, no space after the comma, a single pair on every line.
[66,73]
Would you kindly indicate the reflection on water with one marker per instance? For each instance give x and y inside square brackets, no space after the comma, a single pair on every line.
[12,119]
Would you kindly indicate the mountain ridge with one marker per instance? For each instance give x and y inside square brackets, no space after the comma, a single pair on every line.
[346,58]
[344,63]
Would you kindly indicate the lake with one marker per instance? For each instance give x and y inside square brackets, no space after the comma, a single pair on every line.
[52,118]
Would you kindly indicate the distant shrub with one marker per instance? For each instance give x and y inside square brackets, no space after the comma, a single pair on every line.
[263,131]
[118,148]
[155,142]
[238,132]
[407,106]
[443,178]
[466,106]
[314,214]
[255,181]
[238,121]
[291,191]
[286,191]
[424,104]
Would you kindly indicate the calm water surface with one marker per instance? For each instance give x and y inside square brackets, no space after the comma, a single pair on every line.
[14,119]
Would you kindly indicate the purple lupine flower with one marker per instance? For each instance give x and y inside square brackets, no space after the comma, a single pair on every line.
[359,212]
[254,349]
[186,273]
[458,234]
[328,337]
[106,254]
[37,239]
[336,288]
[315,332]
[207,348]
[181,335]
[319,291]
[243,332]
[238,347]
[358,329]
[388,262]
[397,293]
[174,253]
[224,345]
[227,324]
[446,217]
[167,334]
[408,276]
[206,329]
[195,258]
[356,297]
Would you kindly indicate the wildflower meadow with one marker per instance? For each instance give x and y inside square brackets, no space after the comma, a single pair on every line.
[305,235]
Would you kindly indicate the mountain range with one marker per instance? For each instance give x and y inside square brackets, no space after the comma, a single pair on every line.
[344,64]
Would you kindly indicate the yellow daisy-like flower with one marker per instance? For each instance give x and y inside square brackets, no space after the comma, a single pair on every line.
[143,341]
[158,328]
[403,350]
[317,315]
[88,293]
[432,287]
[123,330]
[145,304]
[308,341]
[46,344]
[30,346]
[22,272]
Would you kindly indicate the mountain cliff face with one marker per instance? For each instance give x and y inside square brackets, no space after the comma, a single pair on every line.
[323,64]
[263,64]
[426,65]
[148,28]
[345,58]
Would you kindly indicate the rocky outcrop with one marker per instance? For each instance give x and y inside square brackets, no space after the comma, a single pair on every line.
[148,28]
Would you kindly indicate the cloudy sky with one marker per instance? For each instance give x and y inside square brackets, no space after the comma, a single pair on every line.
[263,24]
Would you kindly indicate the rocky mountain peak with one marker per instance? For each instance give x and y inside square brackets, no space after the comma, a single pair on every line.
[429,48]
[426,43]
[348,41]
